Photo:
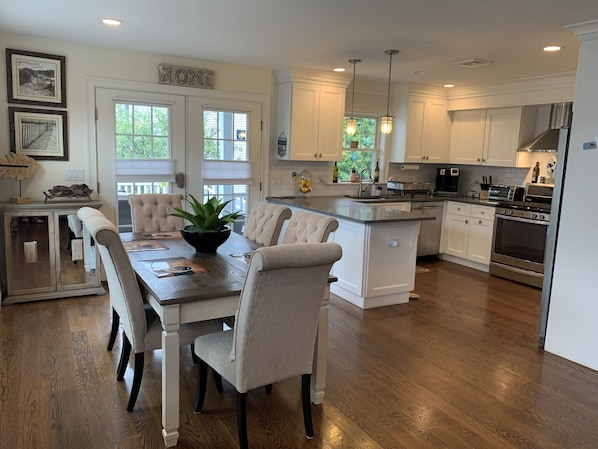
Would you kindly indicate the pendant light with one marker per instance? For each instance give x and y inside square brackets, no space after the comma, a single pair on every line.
[351,128]
[386,121]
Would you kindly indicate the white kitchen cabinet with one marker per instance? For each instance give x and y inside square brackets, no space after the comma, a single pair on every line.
[467,234]
[488,136]
[46,254]
[422,131]
[378,263]
[311,116]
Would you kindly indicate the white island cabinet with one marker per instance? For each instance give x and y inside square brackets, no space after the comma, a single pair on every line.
[378,263]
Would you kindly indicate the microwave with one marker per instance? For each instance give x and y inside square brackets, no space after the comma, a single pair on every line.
[539,193]
[505,193]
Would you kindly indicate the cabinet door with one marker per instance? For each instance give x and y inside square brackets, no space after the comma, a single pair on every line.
[436,131]
[427,130]
[456,234]
[480,240]
[414,150]
[30,261]
[330,125]
[303,131]
[467,137]
[501,137]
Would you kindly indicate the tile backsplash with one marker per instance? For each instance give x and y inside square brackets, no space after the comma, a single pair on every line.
[283,184]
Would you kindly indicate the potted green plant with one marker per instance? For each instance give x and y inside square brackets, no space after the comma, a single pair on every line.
[209,226]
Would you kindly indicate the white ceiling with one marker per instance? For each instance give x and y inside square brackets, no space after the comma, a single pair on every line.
[431,35]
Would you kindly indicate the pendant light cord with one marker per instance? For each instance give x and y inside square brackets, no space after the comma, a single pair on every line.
[390,53]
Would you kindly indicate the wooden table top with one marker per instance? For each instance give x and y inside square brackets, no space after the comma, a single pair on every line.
[214,275]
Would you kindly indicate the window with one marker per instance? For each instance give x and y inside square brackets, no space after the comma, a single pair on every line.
[143,160]
[360,150]
[226,165]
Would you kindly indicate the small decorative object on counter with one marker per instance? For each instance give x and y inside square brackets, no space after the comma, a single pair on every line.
[377,172]
[353,175]
[304,183]
[335,173]
[74,191]
[536,172]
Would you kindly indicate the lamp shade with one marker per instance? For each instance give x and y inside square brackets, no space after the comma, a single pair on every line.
[351,126]
[386,124]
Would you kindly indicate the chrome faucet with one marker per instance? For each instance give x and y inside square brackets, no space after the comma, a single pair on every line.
[360,193]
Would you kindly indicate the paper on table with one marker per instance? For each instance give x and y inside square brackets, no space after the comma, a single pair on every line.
[172,267]
[143,245]
[162,235]
[245,257]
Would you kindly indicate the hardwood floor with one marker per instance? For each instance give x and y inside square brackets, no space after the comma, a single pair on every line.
[457,368]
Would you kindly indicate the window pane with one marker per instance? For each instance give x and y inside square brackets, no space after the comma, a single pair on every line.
[365,137]
[142,131]
[225,135]
[358,160]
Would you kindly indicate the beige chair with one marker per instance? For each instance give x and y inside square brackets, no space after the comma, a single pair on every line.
[264,223]
[150,212]
[276,325]
[83,214]
[142,330]
[309,227]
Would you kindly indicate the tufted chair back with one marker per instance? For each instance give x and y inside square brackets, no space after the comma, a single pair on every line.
[264,223]
[309,227]
[150,212]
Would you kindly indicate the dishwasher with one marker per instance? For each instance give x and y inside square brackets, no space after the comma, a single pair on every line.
[428,243]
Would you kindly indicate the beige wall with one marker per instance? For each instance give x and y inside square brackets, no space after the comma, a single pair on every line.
[84,61]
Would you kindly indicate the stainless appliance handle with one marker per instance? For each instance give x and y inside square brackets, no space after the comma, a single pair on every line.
[521,220]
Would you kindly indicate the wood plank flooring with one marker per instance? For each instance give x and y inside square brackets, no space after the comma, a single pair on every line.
[457,368]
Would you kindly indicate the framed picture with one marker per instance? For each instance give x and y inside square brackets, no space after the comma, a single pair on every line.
[35,78]
[39,133]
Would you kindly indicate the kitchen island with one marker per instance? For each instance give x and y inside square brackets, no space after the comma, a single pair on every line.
[379,244]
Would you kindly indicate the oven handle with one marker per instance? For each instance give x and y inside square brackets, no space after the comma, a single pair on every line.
[520,219]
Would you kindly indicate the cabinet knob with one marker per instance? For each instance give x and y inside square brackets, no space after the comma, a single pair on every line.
[466,221]
[394,243]
[480,222]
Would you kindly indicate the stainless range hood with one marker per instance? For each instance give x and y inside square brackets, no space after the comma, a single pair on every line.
[560,117]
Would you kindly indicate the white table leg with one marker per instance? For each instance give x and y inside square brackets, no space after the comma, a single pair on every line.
[170,375]
[318,374]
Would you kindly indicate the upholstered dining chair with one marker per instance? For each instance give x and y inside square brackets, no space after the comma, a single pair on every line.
[264,223]
[150,212]
[309,227]
[142,330]
[83,214]
[276,324]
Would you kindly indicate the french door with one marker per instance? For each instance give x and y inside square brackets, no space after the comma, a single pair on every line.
[156,142]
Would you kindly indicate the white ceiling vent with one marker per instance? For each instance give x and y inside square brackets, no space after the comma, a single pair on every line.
[474,62]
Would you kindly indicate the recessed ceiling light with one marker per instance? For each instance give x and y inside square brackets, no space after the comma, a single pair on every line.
[449,85]
[553,48]
[111,22]
[339,69]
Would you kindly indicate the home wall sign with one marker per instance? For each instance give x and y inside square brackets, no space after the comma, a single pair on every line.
[186,76]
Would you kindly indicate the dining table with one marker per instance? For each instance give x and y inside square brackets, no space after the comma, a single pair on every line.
[185,286]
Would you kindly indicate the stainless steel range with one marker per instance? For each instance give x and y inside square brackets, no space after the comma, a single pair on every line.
[519,237]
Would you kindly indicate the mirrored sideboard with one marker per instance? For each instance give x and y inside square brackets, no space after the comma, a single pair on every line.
[46,253]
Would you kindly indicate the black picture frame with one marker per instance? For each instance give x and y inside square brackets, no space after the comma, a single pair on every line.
[36,78]
[39,133]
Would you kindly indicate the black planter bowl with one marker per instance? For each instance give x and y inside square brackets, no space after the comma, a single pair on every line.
[206,241]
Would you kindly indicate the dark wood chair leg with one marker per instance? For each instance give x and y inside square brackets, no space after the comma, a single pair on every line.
[124,358]
[193,355]
[305,399]
[202,381]
[218,382]
[137,376]
[113,330]
[242,419]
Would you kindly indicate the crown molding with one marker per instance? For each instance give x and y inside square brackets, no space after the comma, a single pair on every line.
[313,76]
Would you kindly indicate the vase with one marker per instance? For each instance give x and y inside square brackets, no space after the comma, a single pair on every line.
[205,241]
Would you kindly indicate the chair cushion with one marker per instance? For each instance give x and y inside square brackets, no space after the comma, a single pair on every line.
[309,227]
[150,212]
[264,223]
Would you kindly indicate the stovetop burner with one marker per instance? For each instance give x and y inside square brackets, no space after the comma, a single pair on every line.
[527,206]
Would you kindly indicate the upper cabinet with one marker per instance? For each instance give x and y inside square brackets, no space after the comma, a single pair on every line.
[490,136]
[311,116]
[421,133]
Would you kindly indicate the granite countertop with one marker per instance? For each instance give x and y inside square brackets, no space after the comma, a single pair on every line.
[367,210]
[349,209]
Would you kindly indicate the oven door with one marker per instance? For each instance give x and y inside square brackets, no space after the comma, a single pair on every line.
[518,246]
